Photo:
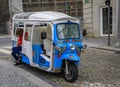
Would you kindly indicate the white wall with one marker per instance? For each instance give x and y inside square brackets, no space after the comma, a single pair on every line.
[97,5]
[15,6]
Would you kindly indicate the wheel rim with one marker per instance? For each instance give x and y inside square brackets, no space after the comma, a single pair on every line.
[69,76]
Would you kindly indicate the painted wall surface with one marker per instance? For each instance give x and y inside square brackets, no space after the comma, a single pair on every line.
[97,17]
[92,14]
[88,17]
[15,6]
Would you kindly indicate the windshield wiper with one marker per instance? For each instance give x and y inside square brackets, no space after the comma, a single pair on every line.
[61,30]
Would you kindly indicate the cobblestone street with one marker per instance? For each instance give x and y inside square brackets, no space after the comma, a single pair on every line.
[9,78]
[98,68]
[13,76]
[59,43]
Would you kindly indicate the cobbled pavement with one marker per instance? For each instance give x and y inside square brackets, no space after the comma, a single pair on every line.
[98,68]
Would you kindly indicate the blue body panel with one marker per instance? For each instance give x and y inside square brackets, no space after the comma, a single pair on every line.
[58,61]
[25,59]
[37,50]
[44,63]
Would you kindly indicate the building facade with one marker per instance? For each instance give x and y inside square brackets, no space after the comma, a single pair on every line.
[9,7]
[71,7]
[4,16]
[95,13]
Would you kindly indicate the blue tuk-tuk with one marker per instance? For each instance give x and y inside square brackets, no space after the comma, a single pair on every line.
[52,41]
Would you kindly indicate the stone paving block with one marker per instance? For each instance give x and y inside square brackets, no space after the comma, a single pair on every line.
[11,76]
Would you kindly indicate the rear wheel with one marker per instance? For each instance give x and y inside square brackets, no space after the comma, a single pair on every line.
[72,73]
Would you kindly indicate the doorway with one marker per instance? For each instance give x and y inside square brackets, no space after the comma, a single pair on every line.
[104,21]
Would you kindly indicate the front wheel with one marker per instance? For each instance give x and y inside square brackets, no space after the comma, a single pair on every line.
[72,73]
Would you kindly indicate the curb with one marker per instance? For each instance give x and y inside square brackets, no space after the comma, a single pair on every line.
[103,47]
[5,36]
[108,49]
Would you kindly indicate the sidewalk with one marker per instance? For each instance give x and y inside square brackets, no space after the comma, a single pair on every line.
[13,76]
[4,35]
[101,43]
[98,43]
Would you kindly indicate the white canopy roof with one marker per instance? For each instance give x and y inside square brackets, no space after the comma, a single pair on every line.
[43,16]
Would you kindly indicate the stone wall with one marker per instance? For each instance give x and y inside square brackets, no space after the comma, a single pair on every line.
[92,13]
[88,17]
[97,17]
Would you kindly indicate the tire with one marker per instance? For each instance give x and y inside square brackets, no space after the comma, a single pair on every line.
[72,73]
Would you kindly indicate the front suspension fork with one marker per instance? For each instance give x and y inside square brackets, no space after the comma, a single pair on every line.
[66,66]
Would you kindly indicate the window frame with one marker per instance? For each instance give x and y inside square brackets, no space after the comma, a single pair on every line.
[67,38]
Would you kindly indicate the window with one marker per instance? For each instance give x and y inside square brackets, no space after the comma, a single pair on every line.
[36,39]
[15,27]
[34,0]
[68,31]
[86,1]
[28,32]
[104,21]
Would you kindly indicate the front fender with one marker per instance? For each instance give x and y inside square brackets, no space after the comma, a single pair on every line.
[71,57]
[59,61]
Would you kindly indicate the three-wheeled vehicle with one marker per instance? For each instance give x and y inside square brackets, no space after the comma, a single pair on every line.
[52,41]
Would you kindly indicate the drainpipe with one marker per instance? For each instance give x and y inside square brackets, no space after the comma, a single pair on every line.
[118,25]
[66,6]
[107,2]
[109,25]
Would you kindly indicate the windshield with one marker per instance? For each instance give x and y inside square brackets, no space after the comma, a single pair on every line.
[68,31]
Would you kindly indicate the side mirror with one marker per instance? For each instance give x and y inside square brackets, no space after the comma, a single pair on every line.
[43,35]
[84,46]
[84,32]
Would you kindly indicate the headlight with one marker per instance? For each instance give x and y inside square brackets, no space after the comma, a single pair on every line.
[60,49]
[72,47]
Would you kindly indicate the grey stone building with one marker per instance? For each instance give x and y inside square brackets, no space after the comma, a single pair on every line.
[71,7]
[96,17]
[4,16]
[9,7]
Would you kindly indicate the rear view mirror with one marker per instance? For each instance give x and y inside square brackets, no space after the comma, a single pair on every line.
[84,32]
[84,46]
[43,35]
